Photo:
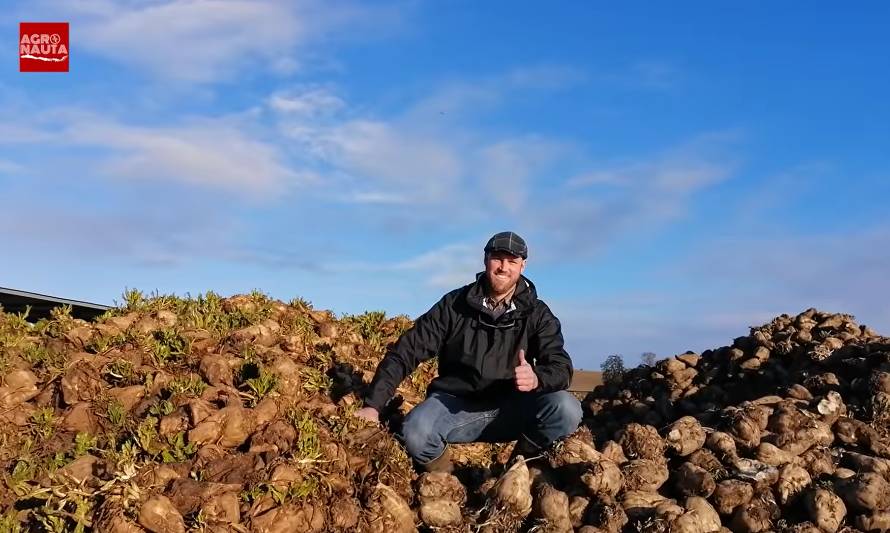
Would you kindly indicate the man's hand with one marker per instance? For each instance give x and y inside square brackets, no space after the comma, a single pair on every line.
[368,413]
[525,377]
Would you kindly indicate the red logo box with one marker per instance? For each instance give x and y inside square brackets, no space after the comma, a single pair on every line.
[43,47]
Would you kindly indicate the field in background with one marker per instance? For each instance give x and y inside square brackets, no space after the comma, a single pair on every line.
[585,380]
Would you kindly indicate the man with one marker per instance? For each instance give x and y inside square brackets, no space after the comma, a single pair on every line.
[503,371]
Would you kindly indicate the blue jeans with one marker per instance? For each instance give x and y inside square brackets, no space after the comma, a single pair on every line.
[443,418]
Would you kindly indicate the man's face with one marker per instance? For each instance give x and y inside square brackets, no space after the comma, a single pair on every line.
[503,270]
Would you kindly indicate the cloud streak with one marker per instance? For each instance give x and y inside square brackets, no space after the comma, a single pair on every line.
[132,235]
[405,174]
[610,200]
[205,41]
[216,154]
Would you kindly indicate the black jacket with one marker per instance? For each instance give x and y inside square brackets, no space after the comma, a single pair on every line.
[477,354]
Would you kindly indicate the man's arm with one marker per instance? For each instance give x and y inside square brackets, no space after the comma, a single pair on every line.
[553,365]
[423,341]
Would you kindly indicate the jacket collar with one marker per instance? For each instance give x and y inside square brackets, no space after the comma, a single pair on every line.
[523,297]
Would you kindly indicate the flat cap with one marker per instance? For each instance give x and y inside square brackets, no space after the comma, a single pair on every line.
[507,241]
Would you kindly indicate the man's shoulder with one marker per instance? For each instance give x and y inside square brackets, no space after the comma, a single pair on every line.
[530,296]
[455,295]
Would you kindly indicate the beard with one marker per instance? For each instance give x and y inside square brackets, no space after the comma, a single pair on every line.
[501,285]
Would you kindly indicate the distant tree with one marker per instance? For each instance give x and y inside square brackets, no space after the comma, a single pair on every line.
[647,359]
[613,369]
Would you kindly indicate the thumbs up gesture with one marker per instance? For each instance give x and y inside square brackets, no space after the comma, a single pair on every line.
[524,375]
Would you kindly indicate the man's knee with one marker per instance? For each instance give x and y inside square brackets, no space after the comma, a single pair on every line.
[420,436]
[560,409]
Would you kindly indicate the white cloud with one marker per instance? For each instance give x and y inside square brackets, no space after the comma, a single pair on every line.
[194,41]
[285,65]
[474,177]
[218,154]
[445,267]
[307,102]
[452,100]
[414,172]
[374,197]
[133,233]
[197,41]
[16,132]
[378,154]
[425,155]
[371,161]
[601,204]
[547,77]
[688,167]
[508,168]
[649,75]
[201,155]
[9,167]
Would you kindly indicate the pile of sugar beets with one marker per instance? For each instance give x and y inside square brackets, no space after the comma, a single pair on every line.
[235,414]
[784,430]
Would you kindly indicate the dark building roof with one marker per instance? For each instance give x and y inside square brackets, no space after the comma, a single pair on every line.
[15,301]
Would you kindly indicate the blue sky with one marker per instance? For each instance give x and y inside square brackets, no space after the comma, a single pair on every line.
[680,171]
